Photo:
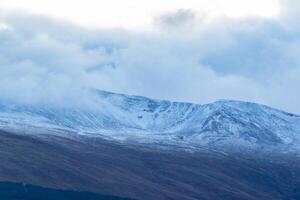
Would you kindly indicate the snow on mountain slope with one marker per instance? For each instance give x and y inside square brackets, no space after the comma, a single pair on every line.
[142,119]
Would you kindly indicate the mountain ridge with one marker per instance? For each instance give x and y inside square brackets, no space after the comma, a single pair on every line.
[141,119]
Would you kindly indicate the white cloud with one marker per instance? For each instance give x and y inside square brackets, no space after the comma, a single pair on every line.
[138,14]
[48,61]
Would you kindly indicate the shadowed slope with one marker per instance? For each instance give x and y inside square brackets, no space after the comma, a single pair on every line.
[145,172]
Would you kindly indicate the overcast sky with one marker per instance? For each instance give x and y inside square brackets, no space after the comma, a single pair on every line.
[139,14]
[184,50]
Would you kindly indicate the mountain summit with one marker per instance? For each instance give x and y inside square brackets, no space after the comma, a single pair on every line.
[140,119]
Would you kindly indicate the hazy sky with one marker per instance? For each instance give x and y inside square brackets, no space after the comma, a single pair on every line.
[196,51]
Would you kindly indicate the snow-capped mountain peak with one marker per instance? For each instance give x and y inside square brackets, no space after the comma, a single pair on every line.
[119,116]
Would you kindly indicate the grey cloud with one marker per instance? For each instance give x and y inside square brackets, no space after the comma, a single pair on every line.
[176,19]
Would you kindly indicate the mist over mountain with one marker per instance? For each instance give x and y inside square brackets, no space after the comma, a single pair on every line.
[200,101]
[46,60]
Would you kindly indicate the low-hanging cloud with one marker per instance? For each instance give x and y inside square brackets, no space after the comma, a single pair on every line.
[53,62]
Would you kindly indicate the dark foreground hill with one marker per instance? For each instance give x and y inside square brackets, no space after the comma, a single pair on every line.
[21,191]
[145,172]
